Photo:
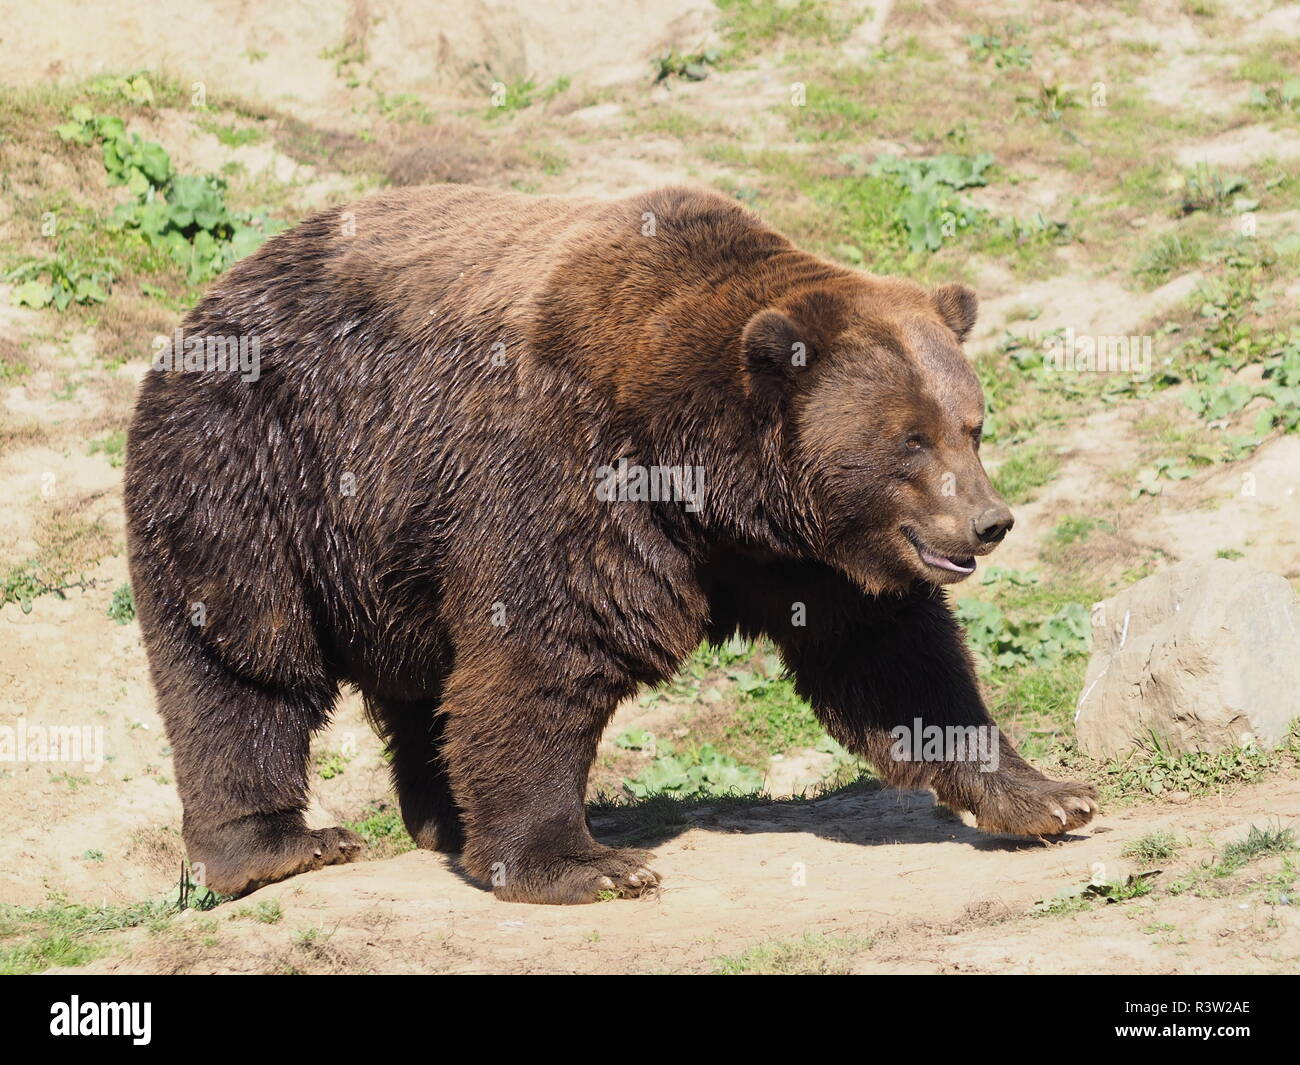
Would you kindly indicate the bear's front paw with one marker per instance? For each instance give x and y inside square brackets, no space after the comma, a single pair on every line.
[603,873]
[1028,806]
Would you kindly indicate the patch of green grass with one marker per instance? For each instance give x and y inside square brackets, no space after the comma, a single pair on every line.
[62,933]
[812,955]
[1031,639]
[1153,847]
[384,832]
[750,25]
[403,107]
[1029,468]
[1026,246]
[1269,62]
[1259,843]
[331,764]
[1231,340]
[1074,528]
[1172,253]
[520,95]
[268,911]
[112,447]
[233,136]
[770,712]
[831,115]
[12,368]
[891,216]
[670,121]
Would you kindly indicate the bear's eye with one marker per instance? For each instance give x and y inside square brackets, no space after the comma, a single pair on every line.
[916,442]
[977,434]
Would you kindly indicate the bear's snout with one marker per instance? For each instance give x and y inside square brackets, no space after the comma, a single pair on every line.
[993,523]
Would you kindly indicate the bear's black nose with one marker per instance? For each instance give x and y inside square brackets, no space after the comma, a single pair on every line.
[993,524]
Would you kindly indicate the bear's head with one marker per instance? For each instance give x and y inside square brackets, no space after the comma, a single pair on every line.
[882,416]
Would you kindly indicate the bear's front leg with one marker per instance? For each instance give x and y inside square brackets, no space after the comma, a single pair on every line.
[519,743]
[891,680]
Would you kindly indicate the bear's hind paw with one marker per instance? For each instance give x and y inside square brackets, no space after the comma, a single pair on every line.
[606,873]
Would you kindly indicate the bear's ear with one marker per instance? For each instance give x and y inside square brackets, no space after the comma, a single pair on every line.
[774,354]
[957,306]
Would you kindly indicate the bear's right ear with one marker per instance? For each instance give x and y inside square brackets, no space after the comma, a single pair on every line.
[775,353]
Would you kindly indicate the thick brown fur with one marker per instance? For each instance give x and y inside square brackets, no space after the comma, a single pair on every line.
[406,501]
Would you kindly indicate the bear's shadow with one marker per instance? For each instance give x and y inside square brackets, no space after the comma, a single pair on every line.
[864,812]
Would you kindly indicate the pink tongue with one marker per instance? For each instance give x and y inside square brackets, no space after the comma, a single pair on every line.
[945,563]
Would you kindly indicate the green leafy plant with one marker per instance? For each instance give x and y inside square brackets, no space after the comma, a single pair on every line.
[268,911]
[694,772]
[1231,342]
[694,67]
[929,209]
[1149,480]
[57,281]
[1049,103]
[185,215]
[122,607]
[1206,189]
[1081,897]
[28,580]
[1000,49]
[1007,643]
[134,89]
[1284,97]
[1156,770]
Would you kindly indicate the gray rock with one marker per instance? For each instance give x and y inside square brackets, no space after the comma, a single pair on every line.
[1204,655]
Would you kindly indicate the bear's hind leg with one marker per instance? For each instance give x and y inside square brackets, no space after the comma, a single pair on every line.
[414,733]
[241,751]
[518,753]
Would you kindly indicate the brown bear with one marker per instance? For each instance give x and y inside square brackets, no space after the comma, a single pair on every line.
[496,461]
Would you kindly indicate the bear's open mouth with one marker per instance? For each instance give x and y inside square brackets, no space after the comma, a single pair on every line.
[964,566]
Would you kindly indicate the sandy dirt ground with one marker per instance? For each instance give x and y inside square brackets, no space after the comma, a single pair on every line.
[860,880]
